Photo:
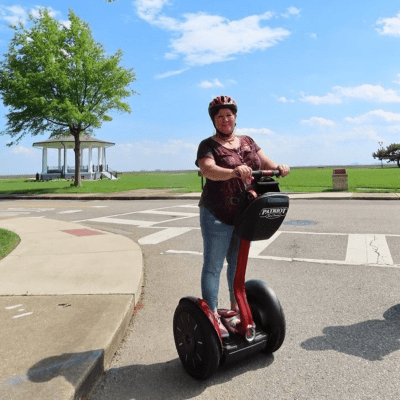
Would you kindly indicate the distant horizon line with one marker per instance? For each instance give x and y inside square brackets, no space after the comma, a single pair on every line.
[385,165]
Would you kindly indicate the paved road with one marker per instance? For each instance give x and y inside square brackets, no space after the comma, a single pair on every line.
[334,266]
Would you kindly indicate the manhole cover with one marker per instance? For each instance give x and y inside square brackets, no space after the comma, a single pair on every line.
[299,222]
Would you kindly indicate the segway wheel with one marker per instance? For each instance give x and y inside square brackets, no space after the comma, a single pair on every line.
[196,340]
[267,313]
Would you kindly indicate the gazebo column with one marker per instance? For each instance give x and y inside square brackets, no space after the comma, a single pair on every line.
[104,159]
[90,168]
[99,158]
[65,162]
[44,160]
[59,159]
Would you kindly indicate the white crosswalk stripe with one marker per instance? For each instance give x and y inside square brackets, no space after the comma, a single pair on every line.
[362,249]
[163,235]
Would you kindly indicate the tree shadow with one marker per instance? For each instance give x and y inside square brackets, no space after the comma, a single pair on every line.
[164,380]
[74,367]
[371,340]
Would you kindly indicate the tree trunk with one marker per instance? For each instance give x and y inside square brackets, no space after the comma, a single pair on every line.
[77,150]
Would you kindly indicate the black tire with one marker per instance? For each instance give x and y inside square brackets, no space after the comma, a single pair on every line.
[196,340]
[267,313]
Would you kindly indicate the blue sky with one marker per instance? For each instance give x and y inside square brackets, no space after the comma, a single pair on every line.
[317,83]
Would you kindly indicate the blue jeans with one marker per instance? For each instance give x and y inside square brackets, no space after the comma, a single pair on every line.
[219,243]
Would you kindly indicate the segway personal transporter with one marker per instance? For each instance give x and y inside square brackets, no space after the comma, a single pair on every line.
[262,324]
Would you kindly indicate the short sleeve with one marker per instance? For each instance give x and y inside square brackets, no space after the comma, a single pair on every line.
[204,150]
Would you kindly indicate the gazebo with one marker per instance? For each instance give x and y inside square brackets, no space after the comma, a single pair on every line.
[62,144]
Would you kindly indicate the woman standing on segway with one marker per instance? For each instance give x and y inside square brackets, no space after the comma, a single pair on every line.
[227,161]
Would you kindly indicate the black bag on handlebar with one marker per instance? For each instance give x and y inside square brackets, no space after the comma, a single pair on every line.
[259,219]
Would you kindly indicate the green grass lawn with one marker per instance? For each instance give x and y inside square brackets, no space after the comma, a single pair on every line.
[8,242]
[300,180]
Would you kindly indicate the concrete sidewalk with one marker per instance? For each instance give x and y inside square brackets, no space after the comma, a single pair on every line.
[169,194]
[67,294]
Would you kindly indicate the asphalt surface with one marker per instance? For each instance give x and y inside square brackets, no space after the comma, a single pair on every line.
[61,292]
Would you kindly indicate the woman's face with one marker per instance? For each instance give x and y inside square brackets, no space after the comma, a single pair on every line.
[225,121]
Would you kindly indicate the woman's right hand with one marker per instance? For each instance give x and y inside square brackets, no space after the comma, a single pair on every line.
[243,172]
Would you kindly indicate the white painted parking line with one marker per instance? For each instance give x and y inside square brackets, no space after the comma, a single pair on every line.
[108,220]
[12,307]
[163,235]
[259,246]
[174,213]
[22,315]
[12,214]
[70,211]
[294,259]
[20,209]
[368,249]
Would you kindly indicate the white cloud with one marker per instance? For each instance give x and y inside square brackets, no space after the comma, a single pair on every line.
[147,147]
[290,12]
[13,14]
[255,131]
[197,44]
[284,99]
[329,98]
[390,26]
[364,92]
[195,35]
[171,73]
[319,121]
[213,84]
[22,150]
[151,155]
[17,14]
[397,80]
[149,9]
[382,114]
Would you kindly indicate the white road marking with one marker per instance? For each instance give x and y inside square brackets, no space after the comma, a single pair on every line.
[70,211]
[108,220]
[22,315]
[12,214]
[368,249]
[29,209]
[175,213]
[12,307]
[290,259]
[259,246]
[163,235]
[362,249]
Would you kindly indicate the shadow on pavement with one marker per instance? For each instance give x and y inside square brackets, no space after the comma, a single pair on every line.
[74,367]
[167,380]
[371,340]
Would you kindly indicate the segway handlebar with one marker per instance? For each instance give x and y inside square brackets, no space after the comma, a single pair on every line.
[259,174]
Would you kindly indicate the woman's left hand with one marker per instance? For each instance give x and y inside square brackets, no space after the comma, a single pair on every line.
[283,169]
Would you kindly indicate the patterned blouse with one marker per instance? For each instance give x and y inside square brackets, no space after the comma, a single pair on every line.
[221,198]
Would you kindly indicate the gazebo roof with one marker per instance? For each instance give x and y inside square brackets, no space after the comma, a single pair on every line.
[69,142]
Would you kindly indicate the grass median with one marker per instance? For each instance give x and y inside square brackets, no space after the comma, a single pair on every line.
[370,180]
[8,242]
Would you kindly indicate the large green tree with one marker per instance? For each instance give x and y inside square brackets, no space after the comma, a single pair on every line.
[391,153]
[59,80]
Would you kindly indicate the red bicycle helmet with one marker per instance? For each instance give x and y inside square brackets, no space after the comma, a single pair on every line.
[221,102]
